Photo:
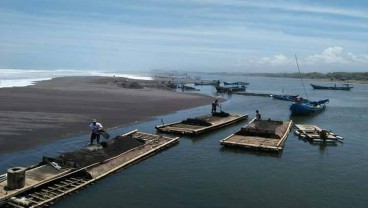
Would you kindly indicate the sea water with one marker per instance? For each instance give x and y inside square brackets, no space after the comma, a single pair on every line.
[26,77]
[199,172]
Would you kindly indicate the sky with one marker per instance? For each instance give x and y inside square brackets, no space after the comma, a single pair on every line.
[185,35]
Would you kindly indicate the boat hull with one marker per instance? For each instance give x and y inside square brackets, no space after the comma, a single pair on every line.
[236,83]
[230,89]
[308,108]
[318,87]
[285,97]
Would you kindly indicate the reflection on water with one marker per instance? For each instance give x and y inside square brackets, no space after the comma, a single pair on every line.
[322,146]
[240,150]
[199,172]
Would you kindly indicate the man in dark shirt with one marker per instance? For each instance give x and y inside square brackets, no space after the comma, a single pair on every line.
[258,115]
[214,106]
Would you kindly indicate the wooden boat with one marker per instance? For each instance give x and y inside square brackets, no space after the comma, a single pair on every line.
[313,133]
[221,89]
[253,94]
[308,107]
[343,87]
[46,182]
[292,98]
[304,107]
[236,83]
[201,124]
[267,135]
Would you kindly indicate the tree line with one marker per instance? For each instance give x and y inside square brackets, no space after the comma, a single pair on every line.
[341,76]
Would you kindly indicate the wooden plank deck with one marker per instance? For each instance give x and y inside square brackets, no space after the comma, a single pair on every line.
[308,128]
[257,142]
[154,144]
[312,132]
[52,190]
[191,129]
[34,177]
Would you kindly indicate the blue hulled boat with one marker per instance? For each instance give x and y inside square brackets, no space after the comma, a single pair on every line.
[307,108]
[343,87]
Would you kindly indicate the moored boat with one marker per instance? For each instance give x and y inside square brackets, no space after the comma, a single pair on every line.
[206,82]
[236,83]
[221,89]
[266,135]
[343,87]
[308,107]
[314,133]
[285,97]
[253,94]
[54,178]
[201,124]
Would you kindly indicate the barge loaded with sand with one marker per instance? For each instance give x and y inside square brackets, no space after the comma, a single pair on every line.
[266,135]
[201,124]
[54,178]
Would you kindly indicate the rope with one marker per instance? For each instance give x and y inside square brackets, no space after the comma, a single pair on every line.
[296,59]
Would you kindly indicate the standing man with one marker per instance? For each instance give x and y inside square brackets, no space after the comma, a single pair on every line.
[258,115]
[96,128]
[214,106]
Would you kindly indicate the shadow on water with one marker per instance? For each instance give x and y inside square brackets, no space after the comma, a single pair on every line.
[248,151]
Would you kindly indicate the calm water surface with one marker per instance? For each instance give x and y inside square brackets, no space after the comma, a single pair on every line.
[198,172]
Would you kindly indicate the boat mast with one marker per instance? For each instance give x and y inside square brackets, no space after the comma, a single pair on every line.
[296,59]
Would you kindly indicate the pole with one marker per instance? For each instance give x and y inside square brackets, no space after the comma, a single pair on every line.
[296,59]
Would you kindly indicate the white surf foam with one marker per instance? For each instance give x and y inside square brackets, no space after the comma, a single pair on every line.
[26,77]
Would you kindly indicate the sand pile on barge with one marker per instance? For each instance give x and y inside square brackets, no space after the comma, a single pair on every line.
[111,148]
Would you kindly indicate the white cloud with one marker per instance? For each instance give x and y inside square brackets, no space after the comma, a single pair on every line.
[331,56]
[276,60]
[335,55]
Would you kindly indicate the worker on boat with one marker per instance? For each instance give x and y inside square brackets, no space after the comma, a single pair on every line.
[214,106]
[299,99]
[323,134]
[258,115]
[218,83]
[96,129]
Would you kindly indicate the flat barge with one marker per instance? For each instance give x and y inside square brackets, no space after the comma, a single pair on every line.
[54,178]
[265,135]
[201,124]
[315,134]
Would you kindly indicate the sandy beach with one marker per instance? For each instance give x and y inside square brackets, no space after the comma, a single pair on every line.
[62,107]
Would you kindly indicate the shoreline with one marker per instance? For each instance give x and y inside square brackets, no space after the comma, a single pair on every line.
[62,107]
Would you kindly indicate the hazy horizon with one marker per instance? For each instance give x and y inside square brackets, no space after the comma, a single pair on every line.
[185,35]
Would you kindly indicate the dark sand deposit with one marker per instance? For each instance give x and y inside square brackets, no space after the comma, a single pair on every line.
[114,147]
[62,107]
